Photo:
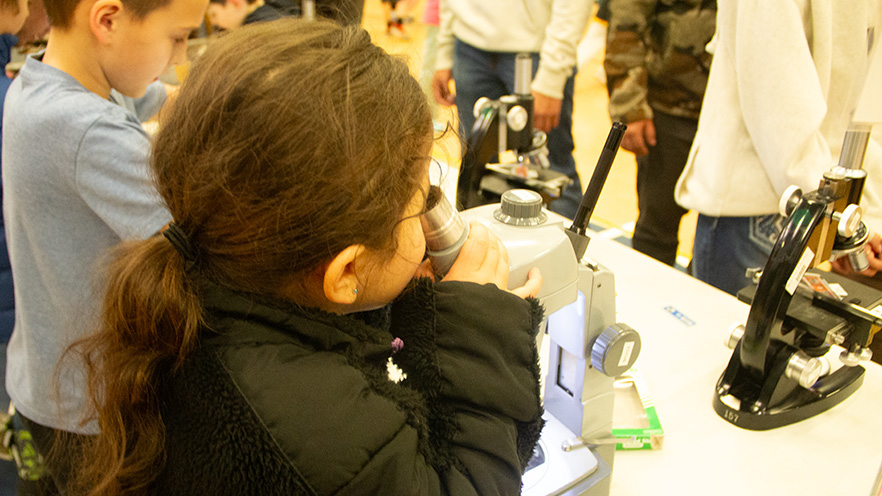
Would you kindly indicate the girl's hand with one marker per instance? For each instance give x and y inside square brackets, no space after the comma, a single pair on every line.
[530,288]
[484,259]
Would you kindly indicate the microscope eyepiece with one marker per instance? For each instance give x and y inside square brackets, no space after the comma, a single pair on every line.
[444,230]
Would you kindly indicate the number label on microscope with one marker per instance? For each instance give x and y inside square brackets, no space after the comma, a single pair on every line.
[731,416]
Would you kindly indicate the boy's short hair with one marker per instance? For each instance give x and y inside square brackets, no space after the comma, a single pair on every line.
[61,12]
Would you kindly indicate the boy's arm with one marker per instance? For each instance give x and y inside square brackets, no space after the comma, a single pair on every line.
[557,59]
[557,56]
[145,107]
[444,49]
[113,177]
[444,56]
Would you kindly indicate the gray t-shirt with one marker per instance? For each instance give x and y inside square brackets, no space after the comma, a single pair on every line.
[75,183]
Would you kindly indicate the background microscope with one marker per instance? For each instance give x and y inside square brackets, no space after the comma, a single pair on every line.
[504,129]
[781,371]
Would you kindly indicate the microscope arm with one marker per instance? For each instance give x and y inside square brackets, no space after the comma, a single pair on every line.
[772,295]
[480,148]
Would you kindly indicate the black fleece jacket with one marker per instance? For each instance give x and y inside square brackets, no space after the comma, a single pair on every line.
[279,399]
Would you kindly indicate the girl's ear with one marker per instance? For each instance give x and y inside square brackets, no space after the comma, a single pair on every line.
[340,283]
[103,18]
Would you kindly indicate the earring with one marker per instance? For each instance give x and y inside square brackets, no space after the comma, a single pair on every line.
[355,290]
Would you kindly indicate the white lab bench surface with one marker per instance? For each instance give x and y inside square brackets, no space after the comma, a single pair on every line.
[683,324]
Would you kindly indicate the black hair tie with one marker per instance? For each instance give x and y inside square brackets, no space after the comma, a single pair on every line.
[180,241]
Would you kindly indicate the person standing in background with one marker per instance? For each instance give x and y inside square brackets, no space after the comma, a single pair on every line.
[478,42]
[232,14]
[36,26]
[397,14]
[345,12]
[13,15]
[783,85]
[657,69]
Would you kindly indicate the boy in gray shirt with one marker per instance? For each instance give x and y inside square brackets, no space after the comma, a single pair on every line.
[76,183]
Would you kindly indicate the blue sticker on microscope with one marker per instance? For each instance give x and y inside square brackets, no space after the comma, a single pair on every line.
[680,316]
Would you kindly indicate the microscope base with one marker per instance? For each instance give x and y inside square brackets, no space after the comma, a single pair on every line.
[799,405]
[806,325]
[555,472]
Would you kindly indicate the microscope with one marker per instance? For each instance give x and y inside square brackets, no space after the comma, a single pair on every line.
[587,347]
[501,126]
[780,371]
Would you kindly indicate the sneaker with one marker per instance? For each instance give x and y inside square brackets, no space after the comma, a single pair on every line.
[7,436]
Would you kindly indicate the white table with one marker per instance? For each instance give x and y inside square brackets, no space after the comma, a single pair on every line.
[838,452]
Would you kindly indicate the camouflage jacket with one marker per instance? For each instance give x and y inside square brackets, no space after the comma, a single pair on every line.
[656,58]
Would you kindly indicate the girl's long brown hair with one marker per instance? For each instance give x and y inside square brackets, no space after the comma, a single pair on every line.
[289,141]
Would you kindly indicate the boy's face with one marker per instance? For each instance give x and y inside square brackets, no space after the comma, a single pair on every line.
[228,15]
[144,49]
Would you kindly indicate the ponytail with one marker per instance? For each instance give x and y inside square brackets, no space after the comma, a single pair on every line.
[150,322]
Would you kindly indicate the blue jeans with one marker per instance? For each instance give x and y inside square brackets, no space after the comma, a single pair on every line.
[725,247]
[478,73]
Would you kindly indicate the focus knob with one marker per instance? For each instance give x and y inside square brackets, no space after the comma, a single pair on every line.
[789,200]
[517,118]
[615,350]
[803,369]
[736,332]
[479,106]
[849,221]
[520,207]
